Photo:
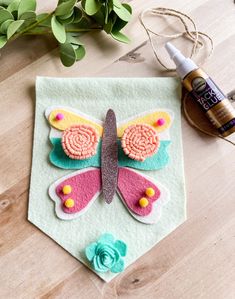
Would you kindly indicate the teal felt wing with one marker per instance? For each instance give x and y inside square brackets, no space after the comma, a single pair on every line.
[60,159]
[157,161]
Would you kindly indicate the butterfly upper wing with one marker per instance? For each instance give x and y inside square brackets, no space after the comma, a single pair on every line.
[70,117]
[150,118]
[161,157]
[132,187]
[84,187]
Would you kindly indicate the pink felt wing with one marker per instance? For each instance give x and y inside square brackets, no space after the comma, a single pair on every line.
[132,187]
[74,193]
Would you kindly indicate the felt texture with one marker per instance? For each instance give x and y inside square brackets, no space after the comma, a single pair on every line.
[157,161]
[149,119]
[79,142]
[157,205]
[140,142]
[109,157]
[106,255]
[132,187]
[69,119]
[71,205]
[61,160]
[127,97]
[84,187]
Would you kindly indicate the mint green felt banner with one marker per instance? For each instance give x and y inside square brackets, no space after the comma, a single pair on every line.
[94,96]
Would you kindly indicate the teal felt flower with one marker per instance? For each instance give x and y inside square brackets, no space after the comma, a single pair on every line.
[106,254]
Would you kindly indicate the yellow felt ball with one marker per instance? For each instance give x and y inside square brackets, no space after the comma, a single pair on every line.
[150,192]
[69,203]
[143,202]
[67,189]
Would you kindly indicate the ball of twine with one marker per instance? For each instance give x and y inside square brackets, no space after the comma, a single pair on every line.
[199,40]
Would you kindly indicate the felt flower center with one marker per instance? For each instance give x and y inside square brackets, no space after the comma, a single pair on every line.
[140,141]
[106,254]
[80,142]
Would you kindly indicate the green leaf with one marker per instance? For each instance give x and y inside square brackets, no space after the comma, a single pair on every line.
[91,6]
[67,21]
[80,52]
[58,30]
[5,2]
[3,41]
[41,16]
[61,1]
[128,7]
[108,27]
[117,35]
[77,15]
[100,16]
[74,40]
[84,23]
[119,24]
[28,15]
[65,7]
[117,3]
[123,13]
[13,6]
[13,27]
[46,18]
[5,25]
[26,5]
[67,54]
[68,15]
[5,15]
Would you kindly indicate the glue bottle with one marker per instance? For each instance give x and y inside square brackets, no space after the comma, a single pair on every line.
[204,91]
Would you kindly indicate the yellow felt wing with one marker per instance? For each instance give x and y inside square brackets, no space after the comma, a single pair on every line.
[71,118]
[149,119]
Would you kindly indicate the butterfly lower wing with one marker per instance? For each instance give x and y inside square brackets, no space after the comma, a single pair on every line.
[132,188]
[75,193]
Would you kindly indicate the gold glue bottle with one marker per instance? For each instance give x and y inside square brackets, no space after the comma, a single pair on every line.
[204,91]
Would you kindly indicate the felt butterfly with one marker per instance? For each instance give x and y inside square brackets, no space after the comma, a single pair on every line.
[103,154]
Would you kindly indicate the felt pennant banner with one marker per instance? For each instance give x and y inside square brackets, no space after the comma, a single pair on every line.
[115,167]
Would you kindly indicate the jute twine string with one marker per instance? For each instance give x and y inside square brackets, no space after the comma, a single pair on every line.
[199,40]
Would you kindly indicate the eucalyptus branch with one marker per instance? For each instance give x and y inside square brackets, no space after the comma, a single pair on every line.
[67,31]
[66,23]
[27,29]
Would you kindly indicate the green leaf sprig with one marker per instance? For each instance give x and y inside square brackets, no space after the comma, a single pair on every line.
[67,22]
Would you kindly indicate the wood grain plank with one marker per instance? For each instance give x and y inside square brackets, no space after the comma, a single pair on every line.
[38,265]
[14,228]
[79,284]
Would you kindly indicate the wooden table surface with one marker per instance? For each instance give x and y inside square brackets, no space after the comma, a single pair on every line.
[198,259]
